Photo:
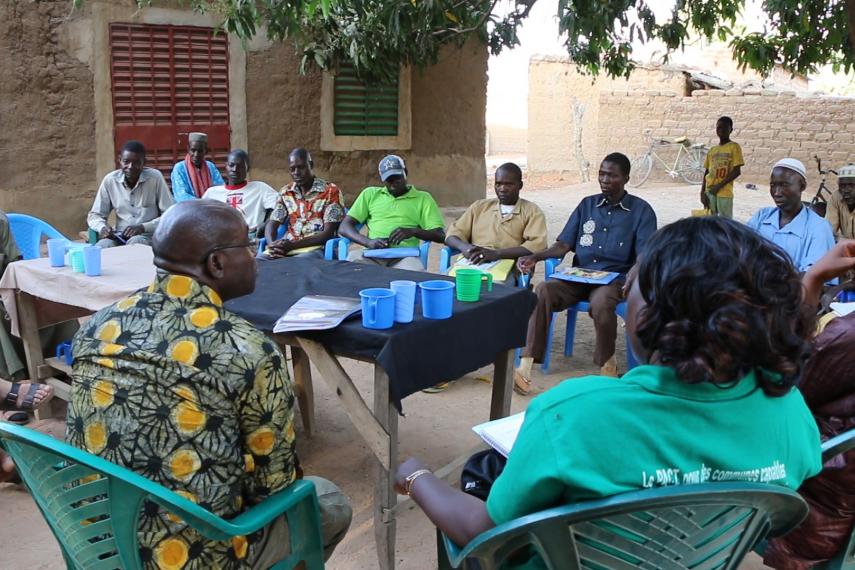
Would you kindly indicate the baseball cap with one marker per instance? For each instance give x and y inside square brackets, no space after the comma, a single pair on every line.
[792,164]
[392,165]
[847,171]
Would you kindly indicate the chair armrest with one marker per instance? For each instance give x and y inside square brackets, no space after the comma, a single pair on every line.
[262,245]
[343,245]
[549,266]
[330,248]
[445,256]
[837,445]
[424,251]
[263,513]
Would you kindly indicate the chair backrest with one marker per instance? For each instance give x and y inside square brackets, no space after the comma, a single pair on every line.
[706,526]
[92,505]
[845,559]
[28,231]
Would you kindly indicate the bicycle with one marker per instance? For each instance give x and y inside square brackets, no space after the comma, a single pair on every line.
[819,202]
[688,164]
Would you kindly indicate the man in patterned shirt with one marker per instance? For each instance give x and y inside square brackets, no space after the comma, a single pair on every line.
[172,385]
[310,208]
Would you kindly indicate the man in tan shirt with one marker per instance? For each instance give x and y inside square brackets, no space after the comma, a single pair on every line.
[505,227]
[841,207]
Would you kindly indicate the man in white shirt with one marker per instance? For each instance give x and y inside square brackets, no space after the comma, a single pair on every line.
[253,199]
[139,196]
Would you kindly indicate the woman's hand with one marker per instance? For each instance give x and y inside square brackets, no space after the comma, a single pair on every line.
[406,469]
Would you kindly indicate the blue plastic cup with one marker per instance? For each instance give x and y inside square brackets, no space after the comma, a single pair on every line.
[56,251]
[378,308]
[437,299]
[92,260]
[405,300]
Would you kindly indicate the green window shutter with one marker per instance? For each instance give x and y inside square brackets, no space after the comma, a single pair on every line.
[364,110]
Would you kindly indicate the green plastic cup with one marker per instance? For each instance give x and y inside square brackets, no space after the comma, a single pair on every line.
[469,284]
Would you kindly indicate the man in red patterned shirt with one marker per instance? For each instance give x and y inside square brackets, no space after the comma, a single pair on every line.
[311,209]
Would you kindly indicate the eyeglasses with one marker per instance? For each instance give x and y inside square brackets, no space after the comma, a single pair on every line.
[251,246]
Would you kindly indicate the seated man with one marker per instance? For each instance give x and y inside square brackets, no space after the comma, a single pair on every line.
[172,385]
[137,193]
[397,215]
[506,227]
[606,232]
[797,229]
[194,175]
[310,208]
[254,200]
[715,314]
[841,207]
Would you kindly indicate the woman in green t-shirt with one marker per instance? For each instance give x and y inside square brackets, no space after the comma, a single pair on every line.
[716,313]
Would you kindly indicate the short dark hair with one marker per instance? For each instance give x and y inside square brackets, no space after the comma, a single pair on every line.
[304,154]
[241,154]
[722,301]
[621,160]
[134,146]
[511,168]
[727,120]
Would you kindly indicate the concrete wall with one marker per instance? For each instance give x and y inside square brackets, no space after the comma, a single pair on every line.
[448,140]
[56,108]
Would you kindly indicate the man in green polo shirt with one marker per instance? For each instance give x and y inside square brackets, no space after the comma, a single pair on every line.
[397,215]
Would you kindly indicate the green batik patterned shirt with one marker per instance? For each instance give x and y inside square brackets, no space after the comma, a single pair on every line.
[173,386]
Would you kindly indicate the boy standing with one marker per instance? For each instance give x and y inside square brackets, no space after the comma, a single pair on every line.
[723,165]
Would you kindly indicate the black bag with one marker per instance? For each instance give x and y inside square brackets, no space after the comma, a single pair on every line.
[480,471]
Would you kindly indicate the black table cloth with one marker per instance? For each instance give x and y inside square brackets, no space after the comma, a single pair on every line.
[415,355]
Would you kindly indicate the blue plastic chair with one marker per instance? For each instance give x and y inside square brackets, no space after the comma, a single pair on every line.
[344,244]
[447,254]
[28,231]
[329,246]
[701,527]
[93,506]
[845,559]
[570,334]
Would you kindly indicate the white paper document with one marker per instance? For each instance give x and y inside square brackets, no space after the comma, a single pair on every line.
[842,309]
[502,433]
[316,313]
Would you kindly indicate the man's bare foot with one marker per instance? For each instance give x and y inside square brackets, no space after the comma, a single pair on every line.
[24,395]
[7,469]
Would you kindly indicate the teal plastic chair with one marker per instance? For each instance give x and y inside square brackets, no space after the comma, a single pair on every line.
[93,506]
[845,559]
[28,232]
[701,527]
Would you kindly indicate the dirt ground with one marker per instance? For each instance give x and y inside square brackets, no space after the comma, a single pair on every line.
[436,427]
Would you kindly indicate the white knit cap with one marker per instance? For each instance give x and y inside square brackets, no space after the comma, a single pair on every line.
[792,164]
[847,171]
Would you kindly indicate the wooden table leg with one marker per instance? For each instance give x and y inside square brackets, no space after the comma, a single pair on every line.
[503,384]
[384,492]
[29,329]
[303,387]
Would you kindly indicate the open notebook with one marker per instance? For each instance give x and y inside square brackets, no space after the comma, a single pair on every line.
[502,433]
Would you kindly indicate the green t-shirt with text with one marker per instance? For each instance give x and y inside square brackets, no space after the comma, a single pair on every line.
[383,213]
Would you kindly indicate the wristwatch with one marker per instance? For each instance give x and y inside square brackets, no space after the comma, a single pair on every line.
[411,479]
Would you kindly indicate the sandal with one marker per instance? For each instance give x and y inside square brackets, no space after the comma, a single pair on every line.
[522,385]
[437,388]
[26,404]
[18,418]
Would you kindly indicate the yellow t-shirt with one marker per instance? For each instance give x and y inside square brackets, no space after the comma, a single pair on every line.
[719,162]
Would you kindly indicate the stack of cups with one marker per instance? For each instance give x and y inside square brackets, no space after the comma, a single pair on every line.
[405,300]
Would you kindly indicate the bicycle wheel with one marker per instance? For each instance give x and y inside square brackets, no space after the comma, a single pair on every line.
[639,170]
[690,167]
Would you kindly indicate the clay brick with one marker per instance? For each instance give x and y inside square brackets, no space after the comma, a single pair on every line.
[733,93]
[716,93]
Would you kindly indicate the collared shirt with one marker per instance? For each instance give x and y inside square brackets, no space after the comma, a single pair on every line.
[384,213]
[840,217]
[182,188]
[805,239]
[142,204]
[483,224]
[173,386]
[608,237]
[306,214]
[679,434]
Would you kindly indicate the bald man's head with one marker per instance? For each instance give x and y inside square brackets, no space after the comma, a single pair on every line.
[207,240]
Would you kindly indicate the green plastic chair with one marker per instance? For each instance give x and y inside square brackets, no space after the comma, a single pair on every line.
[702,527]
[93,506]
[845,559]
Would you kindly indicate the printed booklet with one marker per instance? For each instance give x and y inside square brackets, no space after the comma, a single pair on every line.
[582,275]
[502,433]
[316,313]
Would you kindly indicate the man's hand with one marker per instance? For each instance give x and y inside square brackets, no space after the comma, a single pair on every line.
[714,188]
[105,232]
[378,243]
[132,231]
[401,234]
[280,247]
[835,263]
[526,263]
[406,469]
[479,255]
